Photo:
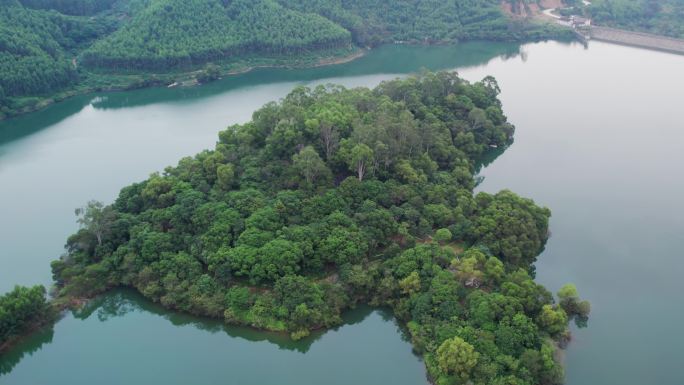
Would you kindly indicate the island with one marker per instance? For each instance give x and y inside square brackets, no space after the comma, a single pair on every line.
[51,50]
[335,197]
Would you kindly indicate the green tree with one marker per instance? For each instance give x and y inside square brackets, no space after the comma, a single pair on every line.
[342,245]
[96,218]
[21,309]
[410,284]
[359,158]
[457,357]
[310,165]
[570,302]
[515,335]
[554,320]
[276,259]
[494,269]
[225,176]
[568,297]
[513,228]
[238,298]
[210,73]
[443,236]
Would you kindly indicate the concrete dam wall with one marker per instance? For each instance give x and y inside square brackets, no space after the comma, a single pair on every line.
[637,39]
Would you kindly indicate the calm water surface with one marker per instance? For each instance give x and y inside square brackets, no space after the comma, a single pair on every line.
[599,140]
[123,339]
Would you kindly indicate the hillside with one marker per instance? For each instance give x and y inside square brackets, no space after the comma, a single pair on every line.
[377,21]
[659,17]
[181,33]
[71,7]
[51,49]
[36,48]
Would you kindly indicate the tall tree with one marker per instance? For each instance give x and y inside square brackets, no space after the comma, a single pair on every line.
[96,218]
[359,158]
[309,164]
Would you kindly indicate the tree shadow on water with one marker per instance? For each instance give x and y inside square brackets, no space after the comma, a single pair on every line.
[26,347]
[120,302]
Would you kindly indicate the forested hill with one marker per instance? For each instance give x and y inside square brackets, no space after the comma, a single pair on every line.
[72,7]
[334,197]
[78,45]
[36,48]
[662,17]
[379,21]
[182,33]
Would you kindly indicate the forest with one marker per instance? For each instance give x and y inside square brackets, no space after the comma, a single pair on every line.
[334,197]
[72,7]
[35,49]
[374,22]
[22,310]
[182,34]
[52,49]
[661,17]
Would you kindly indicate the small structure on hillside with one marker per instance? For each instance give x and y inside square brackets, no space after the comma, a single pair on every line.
[579,22]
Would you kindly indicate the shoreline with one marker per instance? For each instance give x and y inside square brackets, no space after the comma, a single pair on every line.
[323,62]
[190,81]
[57,310]
[189,78]
[619,36]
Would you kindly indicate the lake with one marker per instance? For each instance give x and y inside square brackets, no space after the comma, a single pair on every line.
[599,140]
[123,339]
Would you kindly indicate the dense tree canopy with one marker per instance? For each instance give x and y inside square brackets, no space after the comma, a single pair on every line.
[71,7]
[183,33]
[38,50]
[377,21]
[34,49]
[21,309]
[332,197]
[662,17]
[54,48]
[457,357]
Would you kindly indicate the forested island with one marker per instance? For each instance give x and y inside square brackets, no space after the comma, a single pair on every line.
[53,49]
[335,197]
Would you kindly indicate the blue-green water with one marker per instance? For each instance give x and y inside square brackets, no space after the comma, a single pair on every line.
[599,140]
[123,339]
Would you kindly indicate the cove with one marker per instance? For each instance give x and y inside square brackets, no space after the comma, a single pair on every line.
[599,140]
[122,338]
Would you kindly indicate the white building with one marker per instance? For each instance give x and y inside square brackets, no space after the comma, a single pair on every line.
[579,22]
